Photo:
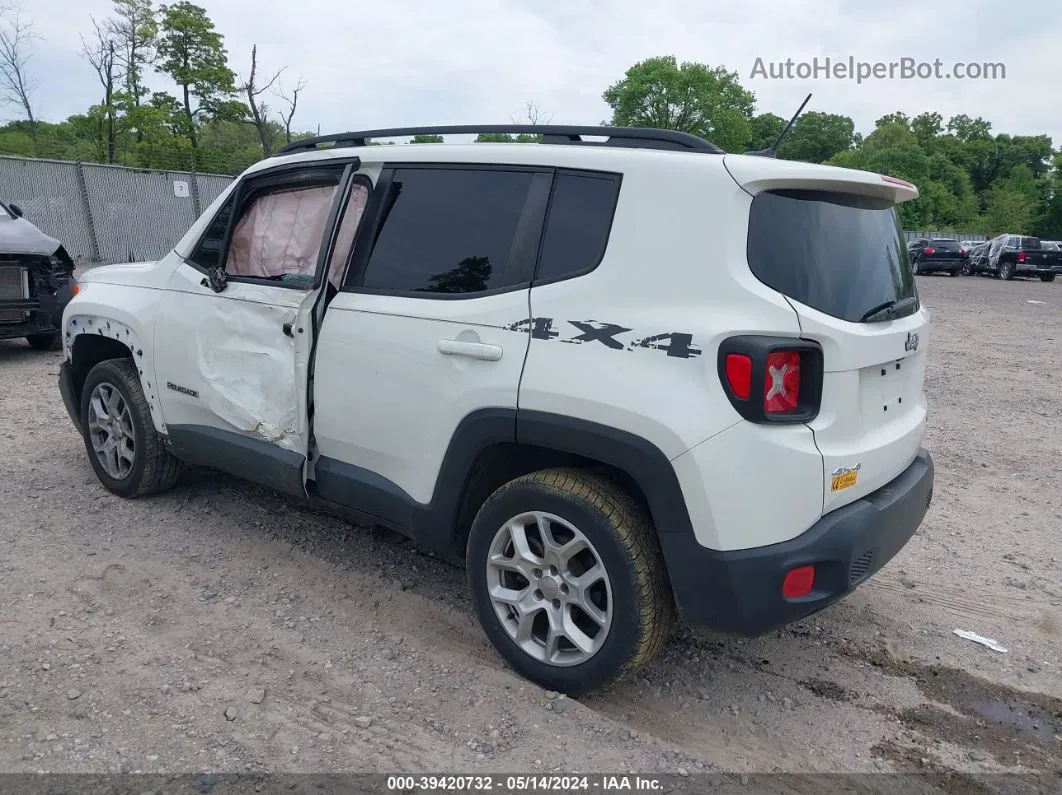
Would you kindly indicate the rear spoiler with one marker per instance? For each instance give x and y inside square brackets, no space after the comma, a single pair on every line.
[756,174]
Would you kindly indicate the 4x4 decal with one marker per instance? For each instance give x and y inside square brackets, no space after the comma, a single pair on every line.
[673,343]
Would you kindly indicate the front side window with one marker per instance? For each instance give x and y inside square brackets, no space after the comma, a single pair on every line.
[449,230]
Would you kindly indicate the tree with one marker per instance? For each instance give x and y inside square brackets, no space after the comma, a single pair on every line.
[101,53]
[691,97]
[292,101]
[193,54]
[426,139]
[766,127]
[816,137]
[267,133]
[967,129]
[135,30]
[17,85]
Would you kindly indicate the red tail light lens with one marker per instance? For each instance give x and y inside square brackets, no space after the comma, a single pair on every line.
[1021,257]
[962,250]
[739,374]
[798,582]
[781,384]
[929,251]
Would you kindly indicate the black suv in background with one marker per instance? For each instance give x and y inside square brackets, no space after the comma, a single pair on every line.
[942,254]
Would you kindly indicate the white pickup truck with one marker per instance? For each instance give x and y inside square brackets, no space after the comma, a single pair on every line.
[615,377]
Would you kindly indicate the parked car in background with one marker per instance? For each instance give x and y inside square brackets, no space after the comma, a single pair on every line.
[940,254]
[1050,245]
[970,245]
[976,259]
[915,246]
[1018,255]
[36,281]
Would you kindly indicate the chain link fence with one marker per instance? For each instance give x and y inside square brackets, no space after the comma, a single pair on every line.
[105,213]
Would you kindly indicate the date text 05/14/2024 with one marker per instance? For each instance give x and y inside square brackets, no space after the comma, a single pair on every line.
[522,783]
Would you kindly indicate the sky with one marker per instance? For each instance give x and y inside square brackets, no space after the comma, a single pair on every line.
[388,63]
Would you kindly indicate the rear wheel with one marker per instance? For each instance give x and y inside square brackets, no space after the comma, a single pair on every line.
[1006,271]
[917,268]
[123,446]
[1047,277]
[46,342]
[568,581]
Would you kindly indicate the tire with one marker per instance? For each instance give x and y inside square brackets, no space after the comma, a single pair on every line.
[153,469]
[1006,271]
[638,607]
[967,269]
[916,267]
[1047,277]
[955,272]
[46,342]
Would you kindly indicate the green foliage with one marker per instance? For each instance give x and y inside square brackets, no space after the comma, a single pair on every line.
[766,127]
[193,54]
[816,137]
[691,97]
[426,139]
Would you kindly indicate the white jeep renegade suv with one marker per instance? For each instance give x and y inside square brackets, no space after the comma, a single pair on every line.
[617,377]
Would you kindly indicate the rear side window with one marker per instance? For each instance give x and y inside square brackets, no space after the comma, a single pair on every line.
[450,231]
[578,226]
[841,254]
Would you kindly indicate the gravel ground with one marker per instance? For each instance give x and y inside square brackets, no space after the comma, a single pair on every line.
[220,627]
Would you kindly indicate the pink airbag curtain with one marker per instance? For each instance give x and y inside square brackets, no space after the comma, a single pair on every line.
[282,233]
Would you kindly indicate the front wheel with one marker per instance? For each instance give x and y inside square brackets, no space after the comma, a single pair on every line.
[1047,277]
[123,446]
[46,342]
[568,580]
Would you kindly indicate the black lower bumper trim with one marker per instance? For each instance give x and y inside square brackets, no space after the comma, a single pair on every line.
[66,389]
[741,591]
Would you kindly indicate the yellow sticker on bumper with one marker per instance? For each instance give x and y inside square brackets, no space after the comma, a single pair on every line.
[847,480]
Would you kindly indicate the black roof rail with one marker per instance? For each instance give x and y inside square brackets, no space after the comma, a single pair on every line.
[631,137]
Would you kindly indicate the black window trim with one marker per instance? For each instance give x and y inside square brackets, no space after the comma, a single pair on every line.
[365,244]
[279,176]
[612,176]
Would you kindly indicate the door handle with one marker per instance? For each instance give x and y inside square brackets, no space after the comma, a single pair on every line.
[474,350]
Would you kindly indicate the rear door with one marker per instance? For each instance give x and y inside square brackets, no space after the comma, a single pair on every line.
[429,327]
[839,257]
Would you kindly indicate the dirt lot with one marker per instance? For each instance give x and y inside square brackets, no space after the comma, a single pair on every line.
[222,628]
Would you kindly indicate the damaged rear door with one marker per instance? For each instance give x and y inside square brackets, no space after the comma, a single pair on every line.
[235,332]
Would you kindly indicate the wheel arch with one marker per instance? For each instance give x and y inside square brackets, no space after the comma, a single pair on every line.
[90,339]
[494,446]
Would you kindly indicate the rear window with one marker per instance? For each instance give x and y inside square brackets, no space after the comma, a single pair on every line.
[944,245]
[841,254]
[1030,242]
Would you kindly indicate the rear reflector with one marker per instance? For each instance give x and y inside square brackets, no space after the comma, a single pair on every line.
[739,374]
[798,582]
[781,385]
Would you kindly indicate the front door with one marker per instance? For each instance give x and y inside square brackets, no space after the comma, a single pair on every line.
[235,330]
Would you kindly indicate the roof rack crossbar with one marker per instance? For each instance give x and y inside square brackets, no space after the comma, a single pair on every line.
[632,137]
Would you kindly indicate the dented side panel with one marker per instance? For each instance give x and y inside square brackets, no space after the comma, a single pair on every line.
[224,360]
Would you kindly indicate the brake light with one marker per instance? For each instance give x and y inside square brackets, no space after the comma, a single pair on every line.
[781,384]
[771,379]
[798,582]
[896,181]
[739,374]
[1021,257]
[928,250]
[962,250]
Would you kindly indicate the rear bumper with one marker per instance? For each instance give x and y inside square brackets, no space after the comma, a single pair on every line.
[928,266]
[66,389]
[741,591]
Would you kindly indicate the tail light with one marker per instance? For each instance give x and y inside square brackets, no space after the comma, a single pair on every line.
[929,250]
[962,250]
[772,379]
[1021,257]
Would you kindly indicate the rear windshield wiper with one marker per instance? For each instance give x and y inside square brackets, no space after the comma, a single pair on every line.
[889,309]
